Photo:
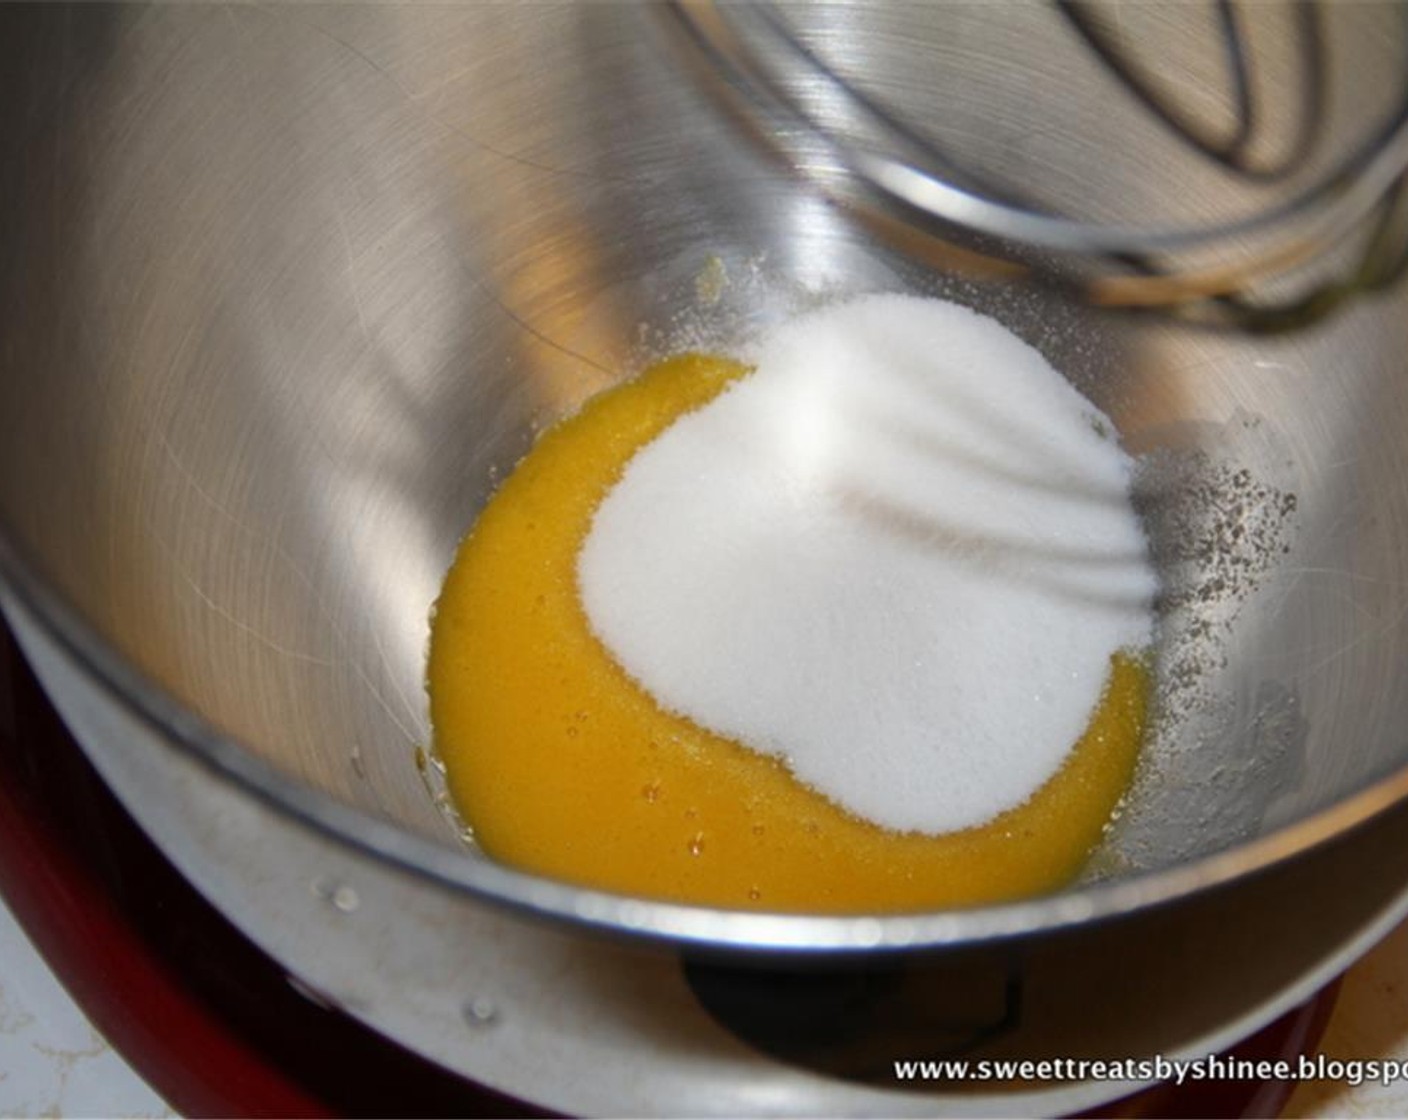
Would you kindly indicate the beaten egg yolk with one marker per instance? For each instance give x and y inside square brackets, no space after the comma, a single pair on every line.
[562,765]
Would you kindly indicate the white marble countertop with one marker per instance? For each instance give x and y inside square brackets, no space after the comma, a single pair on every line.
[54,1064]
[52,1061]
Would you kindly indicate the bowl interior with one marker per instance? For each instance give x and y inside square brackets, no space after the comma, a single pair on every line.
[286,290]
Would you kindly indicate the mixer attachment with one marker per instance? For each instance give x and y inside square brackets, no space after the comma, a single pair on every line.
[1262,207]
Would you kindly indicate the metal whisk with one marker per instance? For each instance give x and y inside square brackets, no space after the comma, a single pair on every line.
[1303,223]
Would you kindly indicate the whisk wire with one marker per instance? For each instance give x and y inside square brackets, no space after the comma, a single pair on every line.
[1205,272]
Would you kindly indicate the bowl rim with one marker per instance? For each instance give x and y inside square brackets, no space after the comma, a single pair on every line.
[180,728]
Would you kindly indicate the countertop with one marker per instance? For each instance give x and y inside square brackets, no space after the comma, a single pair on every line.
[52,1061]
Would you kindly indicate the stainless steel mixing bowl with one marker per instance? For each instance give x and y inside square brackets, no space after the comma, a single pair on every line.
[284,289]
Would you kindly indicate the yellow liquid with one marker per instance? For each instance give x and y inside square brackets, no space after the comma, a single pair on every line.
[562,765]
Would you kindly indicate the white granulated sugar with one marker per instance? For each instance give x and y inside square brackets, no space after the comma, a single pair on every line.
[899,555]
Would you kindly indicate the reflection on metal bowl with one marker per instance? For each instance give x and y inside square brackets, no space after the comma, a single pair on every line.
[286,287]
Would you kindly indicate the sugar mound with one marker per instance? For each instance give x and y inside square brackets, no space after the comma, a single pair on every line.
[899,555]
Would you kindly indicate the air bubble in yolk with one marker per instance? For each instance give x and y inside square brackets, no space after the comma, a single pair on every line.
[562,765]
